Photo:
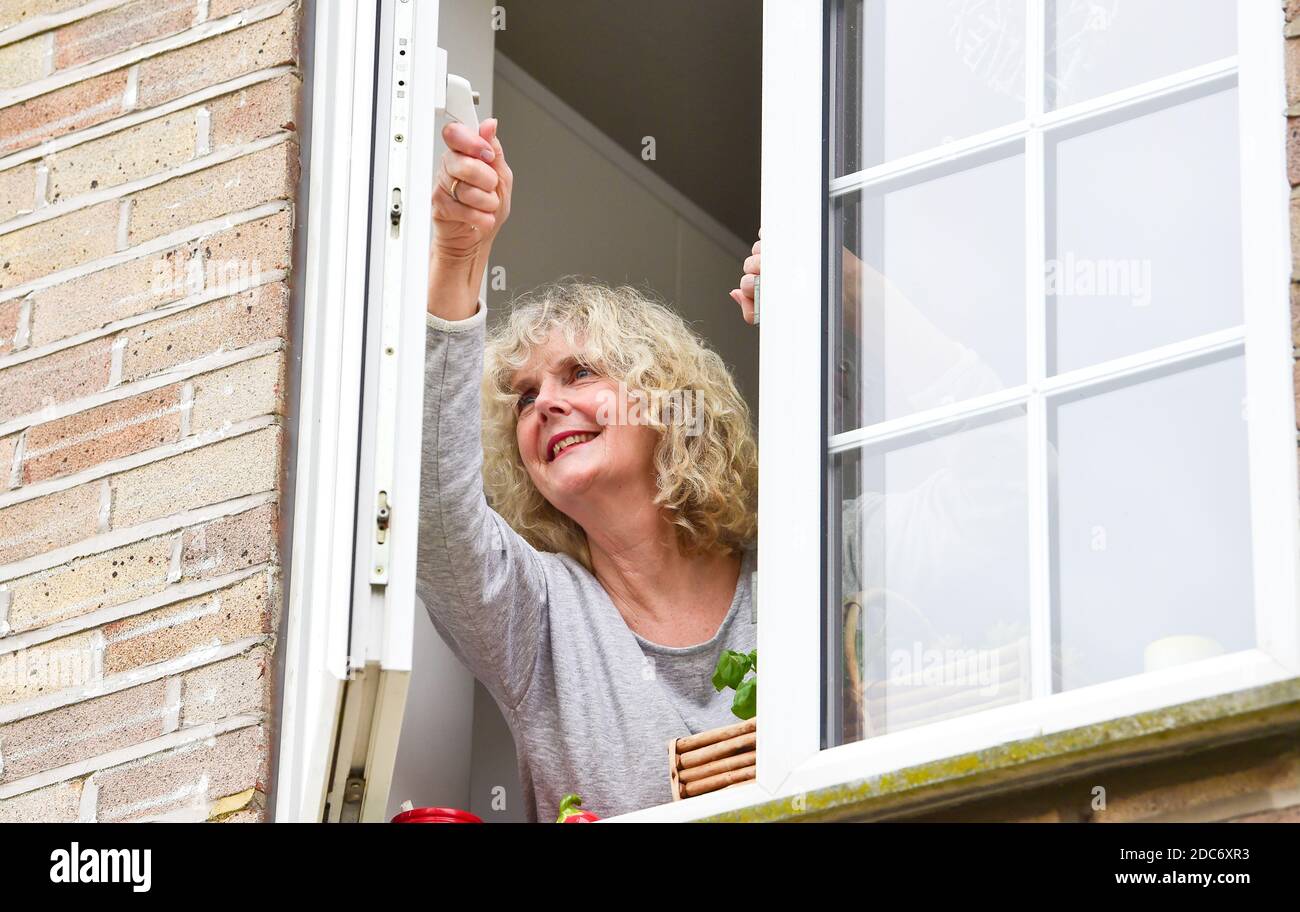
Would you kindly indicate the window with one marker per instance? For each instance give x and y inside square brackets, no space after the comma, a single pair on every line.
[1054,425]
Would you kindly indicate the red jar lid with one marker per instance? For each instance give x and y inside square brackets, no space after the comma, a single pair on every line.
[436,815]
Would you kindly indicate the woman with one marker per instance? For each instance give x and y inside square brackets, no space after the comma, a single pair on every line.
[594,600]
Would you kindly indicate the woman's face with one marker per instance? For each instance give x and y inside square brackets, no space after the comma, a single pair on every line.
[577,444]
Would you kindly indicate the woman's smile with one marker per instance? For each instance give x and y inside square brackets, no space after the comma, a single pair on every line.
[565,441]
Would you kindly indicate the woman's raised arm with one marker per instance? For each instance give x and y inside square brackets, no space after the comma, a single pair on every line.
[480,581]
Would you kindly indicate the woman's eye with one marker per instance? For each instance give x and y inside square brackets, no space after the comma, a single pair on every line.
[525,400]
[579,371]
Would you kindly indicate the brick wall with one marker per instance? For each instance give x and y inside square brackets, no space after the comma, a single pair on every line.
[148,164]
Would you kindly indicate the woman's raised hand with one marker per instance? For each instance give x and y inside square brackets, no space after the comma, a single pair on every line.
[468,221]
[744,295]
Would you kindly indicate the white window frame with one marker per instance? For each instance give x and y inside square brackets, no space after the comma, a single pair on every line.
[796,184]
[349,627]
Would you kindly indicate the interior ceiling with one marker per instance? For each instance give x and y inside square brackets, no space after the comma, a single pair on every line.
[686,72]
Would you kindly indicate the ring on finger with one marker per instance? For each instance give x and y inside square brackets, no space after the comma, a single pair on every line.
[455,185]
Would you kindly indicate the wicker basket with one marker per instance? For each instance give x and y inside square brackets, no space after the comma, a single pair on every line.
[711,760]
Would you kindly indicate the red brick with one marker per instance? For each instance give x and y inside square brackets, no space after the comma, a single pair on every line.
[218,9]
[263,44]
[189,777]
[55,378]
[1293,150]
[226,324]
[231,687]
[68,240]
[83,730]
[49,522]
[230,543]
[1277,815]
[118,29]
[241,183]
[9,313]
[100,298]
[82,104]
[254,112]
[108,432]
[14,11]
[230,468]
[262,246]
[229,614]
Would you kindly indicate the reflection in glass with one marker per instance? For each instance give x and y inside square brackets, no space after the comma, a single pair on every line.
[930,580]
[1152,524]
[913,74]
[1145,245]
[931,293]
[1100,46]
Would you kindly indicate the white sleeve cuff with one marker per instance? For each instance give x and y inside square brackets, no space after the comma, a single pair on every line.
[479,316]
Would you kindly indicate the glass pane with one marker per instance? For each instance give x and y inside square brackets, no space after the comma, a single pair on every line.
[930,585]
[930,293]
[912,74]
[1152,525]
[1145,245]
[1100,46]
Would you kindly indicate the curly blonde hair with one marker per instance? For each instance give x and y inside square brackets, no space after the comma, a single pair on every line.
[708,481]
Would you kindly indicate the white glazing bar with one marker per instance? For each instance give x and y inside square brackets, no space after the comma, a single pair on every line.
[1202,80]
[1133,368]
[1036,431]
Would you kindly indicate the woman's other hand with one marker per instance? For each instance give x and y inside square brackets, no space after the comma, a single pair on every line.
[466,223]
[744,295]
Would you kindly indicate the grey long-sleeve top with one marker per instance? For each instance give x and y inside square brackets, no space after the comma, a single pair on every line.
[591,703]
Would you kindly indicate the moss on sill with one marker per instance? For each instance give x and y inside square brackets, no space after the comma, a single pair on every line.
[1241,715]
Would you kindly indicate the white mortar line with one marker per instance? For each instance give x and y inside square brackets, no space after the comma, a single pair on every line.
[126,121]
[124,191]
[202,132]
[89,800]
[175,568]
[131,94]
[187,409]
[134,461]
[98,645]
[47,55]
[23,334]
[172,701]
[189,369]
[127,754]
[164,242]
[123,240]
[105,506]
[134,55]
[201,12]
[152,602]
[16,470]
[124,680]
[116,356]
[50,21]
[131,534]
[42,186]
[270,277]
[5,598]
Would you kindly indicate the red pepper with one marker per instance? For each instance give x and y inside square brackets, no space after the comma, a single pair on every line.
[569,812]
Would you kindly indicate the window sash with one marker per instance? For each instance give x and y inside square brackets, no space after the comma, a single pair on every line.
[794,443]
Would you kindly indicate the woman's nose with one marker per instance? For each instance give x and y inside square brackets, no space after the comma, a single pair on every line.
[551,402]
